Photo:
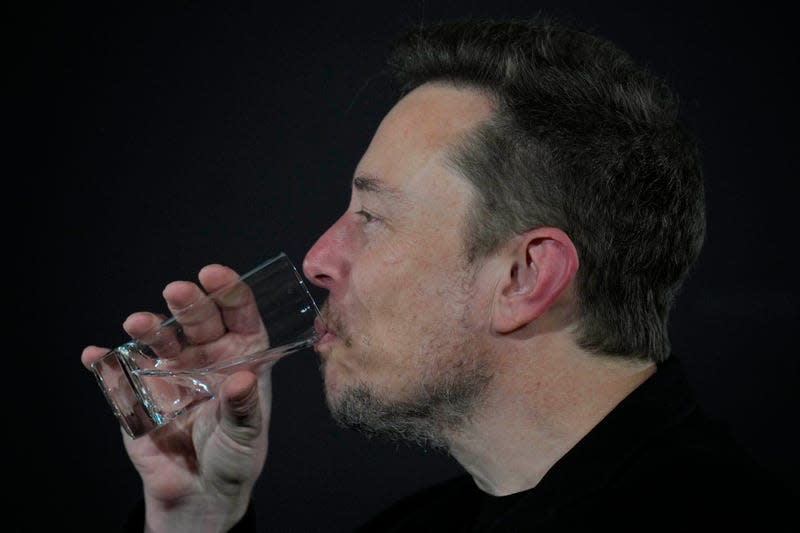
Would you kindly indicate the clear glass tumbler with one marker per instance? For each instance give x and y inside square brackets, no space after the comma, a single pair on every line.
[152,380]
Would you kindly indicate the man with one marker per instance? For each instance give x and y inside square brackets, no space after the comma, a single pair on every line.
[499,287]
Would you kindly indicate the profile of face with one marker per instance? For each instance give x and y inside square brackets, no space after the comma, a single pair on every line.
[401,350]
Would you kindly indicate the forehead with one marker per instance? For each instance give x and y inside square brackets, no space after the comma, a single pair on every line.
[410,147]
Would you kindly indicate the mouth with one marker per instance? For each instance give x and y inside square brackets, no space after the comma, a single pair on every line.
[324,335]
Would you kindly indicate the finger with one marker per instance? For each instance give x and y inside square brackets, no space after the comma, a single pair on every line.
[91,354]
[141,324]
[239,406]
[198,315]
[233,297]
[147,328]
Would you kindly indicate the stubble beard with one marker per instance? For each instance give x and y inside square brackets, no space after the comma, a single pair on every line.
[445,398]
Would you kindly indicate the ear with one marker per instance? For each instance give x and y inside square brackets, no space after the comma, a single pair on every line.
[539,265]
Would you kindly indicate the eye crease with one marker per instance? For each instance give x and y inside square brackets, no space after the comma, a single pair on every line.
[368,217]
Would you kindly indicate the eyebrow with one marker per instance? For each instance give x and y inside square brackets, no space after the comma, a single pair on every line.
[373,185]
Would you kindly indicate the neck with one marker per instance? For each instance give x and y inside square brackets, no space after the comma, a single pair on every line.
[540,403]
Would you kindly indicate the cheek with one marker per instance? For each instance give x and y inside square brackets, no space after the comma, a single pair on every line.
[397,299]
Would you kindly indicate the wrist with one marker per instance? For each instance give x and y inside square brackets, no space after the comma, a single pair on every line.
[194,516]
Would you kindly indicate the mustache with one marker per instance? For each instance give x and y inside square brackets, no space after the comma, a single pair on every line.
[332,319]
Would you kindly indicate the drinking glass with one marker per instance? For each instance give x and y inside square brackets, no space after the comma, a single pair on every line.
[152,380]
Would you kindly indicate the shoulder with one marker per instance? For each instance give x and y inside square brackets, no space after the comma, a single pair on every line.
[700,472]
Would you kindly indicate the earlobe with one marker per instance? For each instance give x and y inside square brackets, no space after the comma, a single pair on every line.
[541,265]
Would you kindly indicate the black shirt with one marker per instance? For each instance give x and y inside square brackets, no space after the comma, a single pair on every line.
[654,463]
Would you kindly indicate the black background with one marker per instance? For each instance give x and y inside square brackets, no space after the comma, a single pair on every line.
[150,141]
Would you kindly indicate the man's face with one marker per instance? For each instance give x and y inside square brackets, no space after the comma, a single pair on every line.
[405,312]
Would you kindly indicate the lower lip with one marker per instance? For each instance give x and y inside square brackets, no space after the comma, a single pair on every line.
[327,338]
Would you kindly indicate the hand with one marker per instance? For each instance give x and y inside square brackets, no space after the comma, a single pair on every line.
[199,470]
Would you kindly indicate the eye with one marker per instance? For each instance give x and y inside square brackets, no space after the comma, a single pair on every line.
[367,216]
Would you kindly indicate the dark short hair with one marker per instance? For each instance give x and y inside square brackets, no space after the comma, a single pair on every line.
[583,139]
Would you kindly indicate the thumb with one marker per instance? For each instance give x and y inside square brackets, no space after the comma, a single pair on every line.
[239,408]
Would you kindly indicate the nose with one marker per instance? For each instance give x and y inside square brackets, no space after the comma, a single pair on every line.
[326,264]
